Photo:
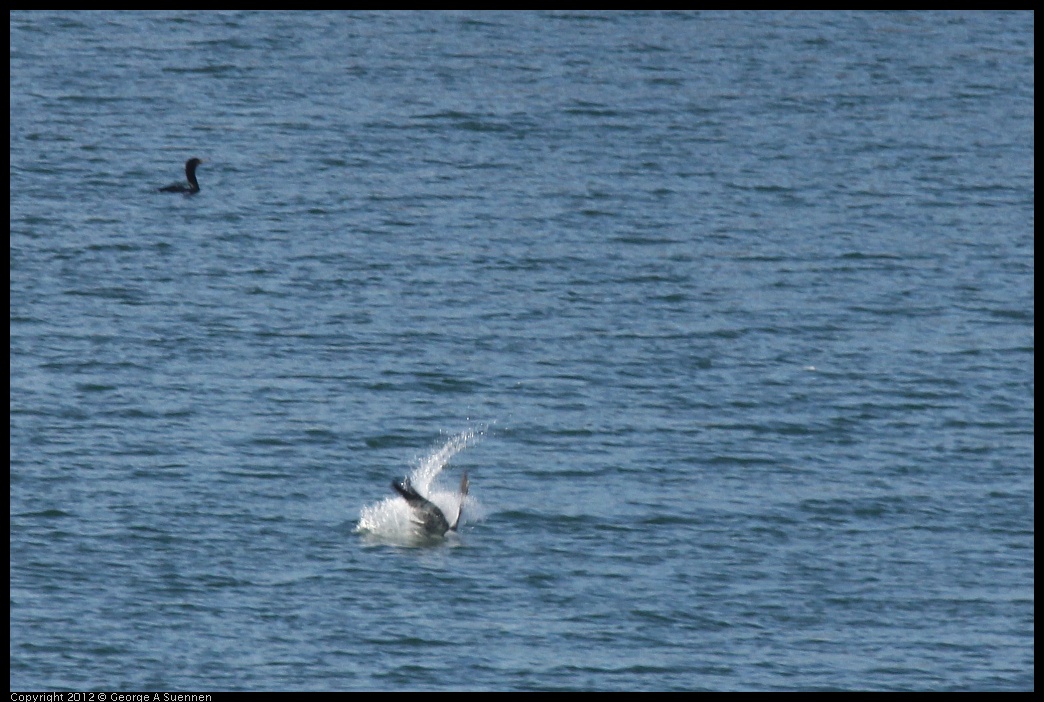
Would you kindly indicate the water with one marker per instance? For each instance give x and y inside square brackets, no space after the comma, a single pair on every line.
[737,308]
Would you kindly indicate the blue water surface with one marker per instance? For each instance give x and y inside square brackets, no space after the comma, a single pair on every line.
[730,315]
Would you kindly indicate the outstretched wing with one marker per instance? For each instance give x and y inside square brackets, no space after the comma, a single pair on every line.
[463,493]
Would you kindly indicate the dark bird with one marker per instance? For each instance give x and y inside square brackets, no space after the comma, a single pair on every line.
[429,517]
[190,188]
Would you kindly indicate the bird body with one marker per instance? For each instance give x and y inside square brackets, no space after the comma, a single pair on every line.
[190,188]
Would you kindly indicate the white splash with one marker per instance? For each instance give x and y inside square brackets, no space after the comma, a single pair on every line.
[390,520]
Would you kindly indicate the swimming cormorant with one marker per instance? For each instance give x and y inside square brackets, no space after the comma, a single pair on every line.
[190,188]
